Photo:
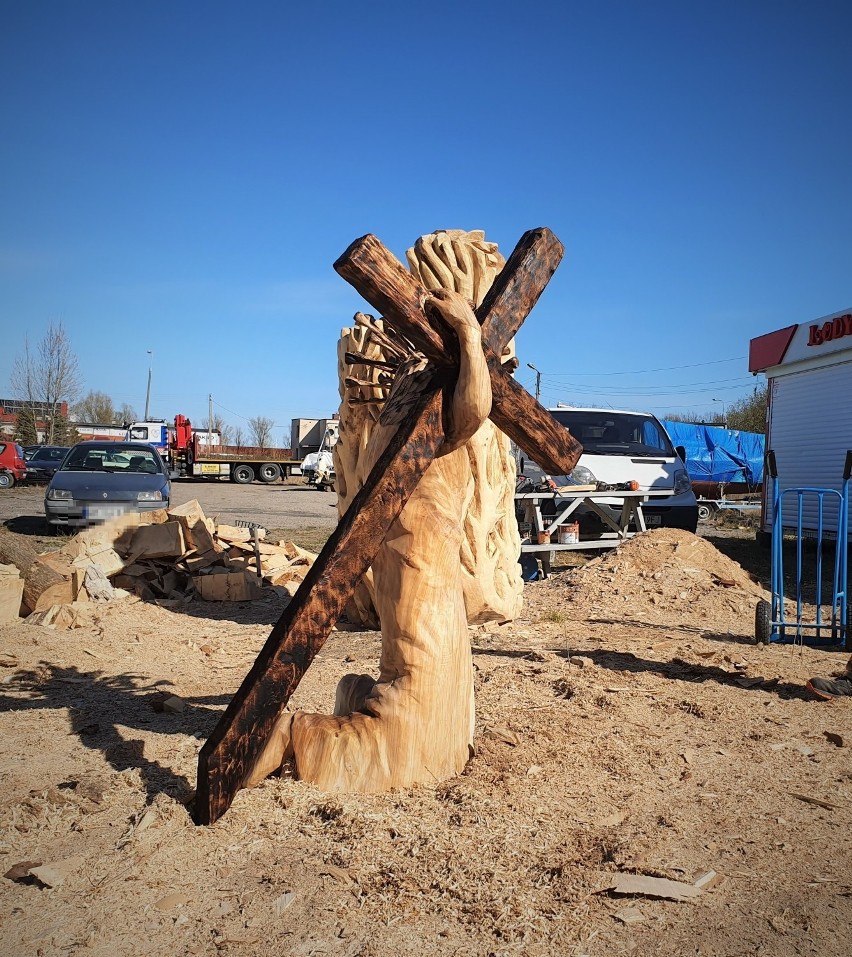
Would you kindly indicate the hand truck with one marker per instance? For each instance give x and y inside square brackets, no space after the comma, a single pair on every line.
[833,627]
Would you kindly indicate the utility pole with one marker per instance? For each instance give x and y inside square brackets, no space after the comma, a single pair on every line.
[209,419]
[148,393]
[537,381]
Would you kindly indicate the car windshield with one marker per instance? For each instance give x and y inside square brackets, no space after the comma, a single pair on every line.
[615,433]
[49,455]
[105,459]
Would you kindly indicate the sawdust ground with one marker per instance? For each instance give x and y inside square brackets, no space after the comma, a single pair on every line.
[625,723]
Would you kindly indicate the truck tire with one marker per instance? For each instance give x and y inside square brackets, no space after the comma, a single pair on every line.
[269,472]
[7,480]
[242,474]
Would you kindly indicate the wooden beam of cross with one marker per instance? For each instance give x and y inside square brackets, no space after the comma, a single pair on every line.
[237,740]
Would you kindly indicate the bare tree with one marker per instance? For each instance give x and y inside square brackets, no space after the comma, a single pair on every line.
[239,438]
[46,376]
[125,415]
[261,430]
[96,407]
[221,426]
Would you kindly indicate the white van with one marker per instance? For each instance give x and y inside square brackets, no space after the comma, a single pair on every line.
[621,447]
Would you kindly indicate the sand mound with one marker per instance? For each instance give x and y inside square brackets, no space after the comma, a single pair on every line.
[664,570]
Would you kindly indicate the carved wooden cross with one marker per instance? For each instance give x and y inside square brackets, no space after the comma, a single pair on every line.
[236,742]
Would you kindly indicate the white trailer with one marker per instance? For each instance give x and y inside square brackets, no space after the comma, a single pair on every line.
[809,413]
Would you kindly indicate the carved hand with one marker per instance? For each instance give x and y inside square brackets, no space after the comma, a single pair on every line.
[455,310]
[471,401]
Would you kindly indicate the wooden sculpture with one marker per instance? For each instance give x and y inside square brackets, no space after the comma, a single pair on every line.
[440,397]
[367,358]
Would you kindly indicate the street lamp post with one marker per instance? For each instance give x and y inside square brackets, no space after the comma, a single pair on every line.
[537,380]
[148,393]
[724,413]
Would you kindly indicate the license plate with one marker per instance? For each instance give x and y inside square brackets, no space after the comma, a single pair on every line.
[103,512]
[209,468]
[653,520]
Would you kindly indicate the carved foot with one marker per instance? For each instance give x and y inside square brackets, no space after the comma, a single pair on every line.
[352,692]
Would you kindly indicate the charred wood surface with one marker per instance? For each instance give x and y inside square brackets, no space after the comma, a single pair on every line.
[518,286]
[305,624]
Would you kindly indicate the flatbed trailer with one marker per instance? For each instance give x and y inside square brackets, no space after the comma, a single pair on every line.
[707,507]
[190,454]
[241,469]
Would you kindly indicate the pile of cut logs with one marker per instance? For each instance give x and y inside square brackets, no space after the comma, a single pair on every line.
[158,555]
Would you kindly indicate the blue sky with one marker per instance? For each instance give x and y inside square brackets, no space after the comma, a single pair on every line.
[179,177]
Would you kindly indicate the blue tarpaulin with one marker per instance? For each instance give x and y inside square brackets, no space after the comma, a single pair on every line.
[714,454]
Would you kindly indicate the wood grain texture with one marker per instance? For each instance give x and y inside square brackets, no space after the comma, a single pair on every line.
[389,287]
[229,753]
[385,283]
[359,751]
[518,286]
[530,425]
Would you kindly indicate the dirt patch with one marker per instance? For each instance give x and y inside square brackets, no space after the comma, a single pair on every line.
[626,723]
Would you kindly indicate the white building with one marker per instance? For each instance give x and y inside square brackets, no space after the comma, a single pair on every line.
[809,416]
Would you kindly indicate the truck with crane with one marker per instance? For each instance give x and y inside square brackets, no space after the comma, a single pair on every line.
[192,453]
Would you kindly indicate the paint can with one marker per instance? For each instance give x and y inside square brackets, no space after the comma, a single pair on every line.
[543,538]
[569,534]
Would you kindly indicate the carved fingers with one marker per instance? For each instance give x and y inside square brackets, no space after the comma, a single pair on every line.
[455,310]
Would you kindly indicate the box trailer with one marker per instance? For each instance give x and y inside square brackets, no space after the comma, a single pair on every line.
[809,412]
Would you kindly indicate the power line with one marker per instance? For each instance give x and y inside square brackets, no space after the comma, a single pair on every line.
[617,390]
[696,365]
[698,387]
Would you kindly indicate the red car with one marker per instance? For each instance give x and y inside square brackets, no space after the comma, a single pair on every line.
[13,468]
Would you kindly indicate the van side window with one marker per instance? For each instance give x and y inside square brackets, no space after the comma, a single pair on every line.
[139,435]
[654,439]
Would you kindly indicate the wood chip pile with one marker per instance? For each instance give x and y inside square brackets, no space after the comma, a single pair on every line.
[660,573]
[160,555]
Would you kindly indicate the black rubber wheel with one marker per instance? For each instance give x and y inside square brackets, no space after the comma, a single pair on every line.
[7,480]
[242,474]
[269,472]
[763,622]
[705,510]
[190,460]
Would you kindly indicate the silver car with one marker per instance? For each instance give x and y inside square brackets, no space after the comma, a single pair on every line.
[101,480]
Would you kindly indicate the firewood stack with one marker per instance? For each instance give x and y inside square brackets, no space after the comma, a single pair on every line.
[161,555]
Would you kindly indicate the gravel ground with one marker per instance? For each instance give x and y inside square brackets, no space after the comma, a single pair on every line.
[280,505]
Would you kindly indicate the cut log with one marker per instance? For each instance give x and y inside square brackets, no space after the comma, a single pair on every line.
[227,586]
[44,586]
[231,533]
[11,592]
[198,530]
[16,552]
[196,562]
[271,563]
[157,541]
